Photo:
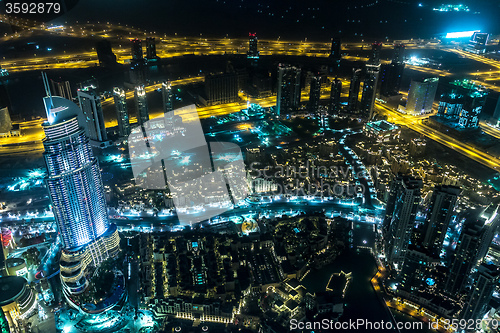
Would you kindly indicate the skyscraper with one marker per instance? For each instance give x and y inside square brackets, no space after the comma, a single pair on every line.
[335,93]
[369,91]
[464,257]
[315,93]
[374,58]
[391,74]
[288,97]
[421,96]
[253,50]
[221,88]
[166,93]
[105,53]
[141,105]
[336,52]
[336,49]
[441,210]
[352,102]
[400,214]
[480,295]
[76,193]
[398,56]
[137,54]
[150,48]
[121,112]
[62,89]
[90,103]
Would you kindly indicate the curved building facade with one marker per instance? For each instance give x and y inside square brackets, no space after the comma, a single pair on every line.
[77,194]
[17,300]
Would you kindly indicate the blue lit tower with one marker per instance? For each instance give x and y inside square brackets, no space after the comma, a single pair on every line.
[441,210]
[76,193]
[400,214]
[141,105]
[121,111]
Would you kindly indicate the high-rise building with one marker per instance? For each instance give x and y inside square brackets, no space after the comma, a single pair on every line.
[464,101]
[417,267]
[137,54]
[401,210]
[369,91]
[480,295]
[464,257]
[353,98]
[441,210]
[150,48]
[221,88]
[141,105]
[62,89]
[374,58]
[335,93]
[167,96]
[105,53]
[76,193]
[336,49]
[314,93]
[90,103]
[398,57]
[288,97]
[391,74]
[121,112]
[491,225]
[421,96]
[253,50]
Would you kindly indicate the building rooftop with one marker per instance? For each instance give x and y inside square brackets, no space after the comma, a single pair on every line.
[381,126]
[11,287]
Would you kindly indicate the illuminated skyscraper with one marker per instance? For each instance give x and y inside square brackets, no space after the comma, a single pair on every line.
[464,257]
[421,96]
[121,112]
[480,295]
[150,48]
[496,114]
[221,88]
[336,91]
[400,214]
[253,50]
[352,102]
[90,103]
[441,210]
[315,93]
[137,53]
[141,105]
[167,96]
[62,89]
[369,91]
[288,97]
[76,193]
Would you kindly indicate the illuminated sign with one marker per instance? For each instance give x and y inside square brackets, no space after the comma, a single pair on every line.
[461,34]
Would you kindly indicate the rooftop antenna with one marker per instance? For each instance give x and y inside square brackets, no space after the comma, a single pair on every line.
[47,88]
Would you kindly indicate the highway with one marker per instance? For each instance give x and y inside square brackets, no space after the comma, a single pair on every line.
[446,140]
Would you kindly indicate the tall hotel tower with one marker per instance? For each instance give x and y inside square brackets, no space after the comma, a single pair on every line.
[77,195]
